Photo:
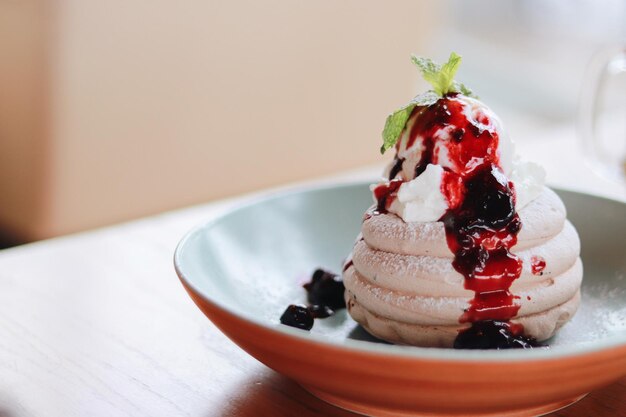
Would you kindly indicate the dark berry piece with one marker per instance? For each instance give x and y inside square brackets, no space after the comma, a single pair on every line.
[326,289]
[491,334]
[489,201]
[297,316]
[320,311]
[457,134]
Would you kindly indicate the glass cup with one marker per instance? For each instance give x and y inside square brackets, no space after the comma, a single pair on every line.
[602,113]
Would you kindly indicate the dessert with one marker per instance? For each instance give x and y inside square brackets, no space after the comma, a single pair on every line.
[464,247]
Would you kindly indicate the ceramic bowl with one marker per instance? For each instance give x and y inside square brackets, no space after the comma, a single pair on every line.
[243,268]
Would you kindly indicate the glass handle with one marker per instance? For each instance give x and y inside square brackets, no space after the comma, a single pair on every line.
[606,64]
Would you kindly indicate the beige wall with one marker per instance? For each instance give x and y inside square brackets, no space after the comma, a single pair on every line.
[23,141]
[145,106]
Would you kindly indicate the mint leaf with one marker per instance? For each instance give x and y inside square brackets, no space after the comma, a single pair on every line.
[441,77]
[463,89]
[395,123]
[430,70]
[447,73]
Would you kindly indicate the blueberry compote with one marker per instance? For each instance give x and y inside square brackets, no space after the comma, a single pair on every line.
[325,296]
[481,223]
[491,334]
[297,316]
[325,289]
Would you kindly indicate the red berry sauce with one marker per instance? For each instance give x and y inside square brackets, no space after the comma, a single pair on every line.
[537,265]
[385,194]
[481,223]
[396,168]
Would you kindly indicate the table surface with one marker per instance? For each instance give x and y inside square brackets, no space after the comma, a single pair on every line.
[97,324]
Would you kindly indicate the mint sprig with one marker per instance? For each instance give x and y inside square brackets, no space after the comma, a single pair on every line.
[394,125]
[441,78]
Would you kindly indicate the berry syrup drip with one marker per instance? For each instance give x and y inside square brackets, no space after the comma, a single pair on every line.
[347,265]
[537,265]
[385,194]
[480,233]
[397,167]
[481,223]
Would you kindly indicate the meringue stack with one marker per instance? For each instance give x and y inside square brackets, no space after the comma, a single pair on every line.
[402,288]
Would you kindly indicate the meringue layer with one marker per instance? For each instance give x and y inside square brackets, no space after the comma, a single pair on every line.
[403,288]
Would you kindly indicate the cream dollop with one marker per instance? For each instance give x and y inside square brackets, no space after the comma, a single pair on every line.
[421,200]
[528,180]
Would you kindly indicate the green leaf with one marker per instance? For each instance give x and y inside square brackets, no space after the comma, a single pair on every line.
[425,99]
[463,89]
[447,73]
[394,125]
[441,77]
[430,70]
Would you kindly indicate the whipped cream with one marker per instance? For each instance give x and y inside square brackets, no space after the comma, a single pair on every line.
[528,180]
[421,199]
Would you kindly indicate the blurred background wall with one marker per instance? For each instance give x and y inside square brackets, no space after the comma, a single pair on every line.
[112,110]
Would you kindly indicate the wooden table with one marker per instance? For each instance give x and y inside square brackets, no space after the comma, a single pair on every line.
[97,324]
